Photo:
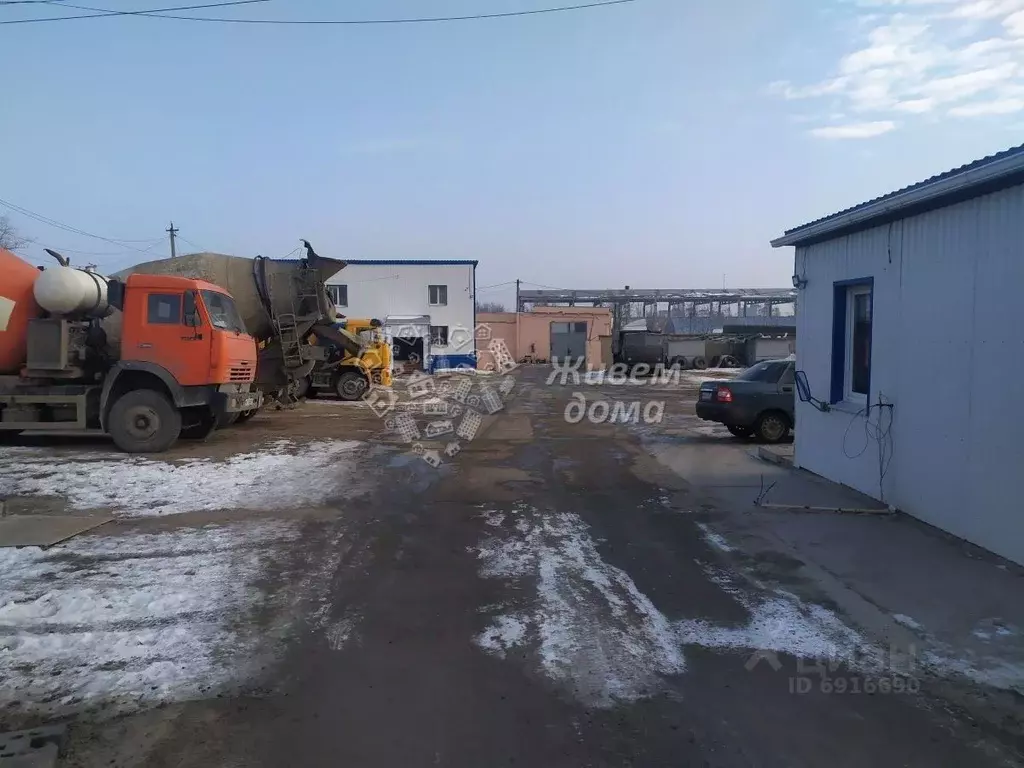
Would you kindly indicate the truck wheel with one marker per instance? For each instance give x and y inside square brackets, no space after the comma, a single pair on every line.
[244,416]
[144,421]
[226,418]
[350,385]
[772,427]
[700,363]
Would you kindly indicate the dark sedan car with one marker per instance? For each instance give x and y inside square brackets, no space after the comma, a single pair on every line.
[757,402]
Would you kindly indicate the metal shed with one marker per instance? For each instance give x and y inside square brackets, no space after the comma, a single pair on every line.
[905,321]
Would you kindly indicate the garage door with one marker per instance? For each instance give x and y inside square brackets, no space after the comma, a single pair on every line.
[569,341]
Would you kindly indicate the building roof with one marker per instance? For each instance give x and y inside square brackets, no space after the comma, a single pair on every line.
[421,262]
[990,174]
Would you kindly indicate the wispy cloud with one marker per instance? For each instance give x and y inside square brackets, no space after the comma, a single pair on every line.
[854,130]
[962,58]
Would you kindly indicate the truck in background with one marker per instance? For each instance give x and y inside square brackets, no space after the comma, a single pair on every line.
[349,375]
[145,360]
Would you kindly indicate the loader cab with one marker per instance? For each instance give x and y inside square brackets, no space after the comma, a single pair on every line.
[190,328]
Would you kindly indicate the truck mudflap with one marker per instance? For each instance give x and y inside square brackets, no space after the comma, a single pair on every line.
[233,399]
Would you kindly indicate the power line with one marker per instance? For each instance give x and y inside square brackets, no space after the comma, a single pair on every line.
[496,285]
[103,12]
[68,228]
[185,239]
[162,13]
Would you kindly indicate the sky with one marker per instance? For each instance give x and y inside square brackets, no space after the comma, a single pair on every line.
[656,143]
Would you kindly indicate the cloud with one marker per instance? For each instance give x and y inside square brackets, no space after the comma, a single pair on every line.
[911,57]
[915,106]
[1014,24]
[854,130]
[984,108]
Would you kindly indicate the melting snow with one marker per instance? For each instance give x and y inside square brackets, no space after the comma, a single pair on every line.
[906,621]
[281,474]
[595,631]
[714,539]
[123,620]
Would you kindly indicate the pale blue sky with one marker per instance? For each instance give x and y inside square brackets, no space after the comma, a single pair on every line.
[660,143]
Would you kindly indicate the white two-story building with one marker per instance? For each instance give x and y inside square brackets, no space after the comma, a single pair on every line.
[428,307]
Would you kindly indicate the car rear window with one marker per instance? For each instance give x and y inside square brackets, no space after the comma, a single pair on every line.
[767,373]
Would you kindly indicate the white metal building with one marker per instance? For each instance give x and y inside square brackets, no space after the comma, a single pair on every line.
[908,313]
[428,307]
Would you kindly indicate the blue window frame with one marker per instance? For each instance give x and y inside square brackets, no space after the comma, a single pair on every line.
[852,311]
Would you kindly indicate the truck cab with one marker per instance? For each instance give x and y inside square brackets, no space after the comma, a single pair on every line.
[191,328]
[184,342]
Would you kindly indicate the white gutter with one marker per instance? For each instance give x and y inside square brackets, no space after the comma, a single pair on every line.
[921,194]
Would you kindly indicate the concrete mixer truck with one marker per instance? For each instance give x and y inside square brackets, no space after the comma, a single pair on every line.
[283,304]
[180,359]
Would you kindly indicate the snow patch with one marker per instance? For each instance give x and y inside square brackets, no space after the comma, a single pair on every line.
[504,633]
[595,632]
[781,624]
[714,539]
[133,619]
[281,474]
[906,621]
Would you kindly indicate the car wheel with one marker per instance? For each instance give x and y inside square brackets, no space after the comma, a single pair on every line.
[772,427]
[739,431]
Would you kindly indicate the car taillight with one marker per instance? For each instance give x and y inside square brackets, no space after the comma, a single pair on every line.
[724,395]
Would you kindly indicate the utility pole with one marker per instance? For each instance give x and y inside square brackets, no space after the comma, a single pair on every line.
[172,232]
[517,295]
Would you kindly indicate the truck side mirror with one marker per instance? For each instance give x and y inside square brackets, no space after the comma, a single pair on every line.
[191,312]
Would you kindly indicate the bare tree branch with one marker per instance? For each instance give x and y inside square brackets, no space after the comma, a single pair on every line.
[490,306]
[9,237]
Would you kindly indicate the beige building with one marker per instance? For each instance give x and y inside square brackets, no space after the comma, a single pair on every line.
[549,333]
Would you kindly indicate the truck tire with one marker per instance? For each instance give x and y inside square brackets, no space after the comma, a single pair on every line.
[350,385]
[700,363]
[244,416]
[144,421]
[678,362]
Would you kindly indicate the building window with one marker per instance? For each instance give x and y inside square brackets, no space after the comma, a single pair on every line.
[853,307]
[437,295]
[338,294]
[164,309]
[439,335]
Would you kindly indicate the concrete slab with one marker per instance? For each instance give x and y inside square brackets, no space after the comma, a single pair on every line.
[907,583]
[777,454]
[34,748]
[45,530]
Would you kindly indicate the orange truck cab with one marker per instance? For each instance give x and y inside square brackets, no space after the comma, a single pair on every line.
[185,339]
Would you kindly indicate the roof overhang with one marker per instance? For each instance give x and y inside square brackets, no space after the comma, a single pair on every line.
[948,189]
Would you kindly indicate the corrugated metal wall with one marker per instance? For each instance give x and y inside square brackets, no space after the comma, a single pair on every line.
[945,350]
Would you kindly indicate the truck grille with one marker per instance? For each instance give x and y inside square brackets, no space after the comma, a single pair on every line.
[240,373]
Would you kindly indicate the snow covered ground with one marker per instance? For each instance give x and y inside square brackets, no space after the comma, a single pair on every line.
[122,621]
[277,475]
[593,630]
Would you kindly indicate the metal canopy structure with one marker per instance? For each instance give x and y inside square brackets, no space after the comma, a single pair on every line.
[681,302]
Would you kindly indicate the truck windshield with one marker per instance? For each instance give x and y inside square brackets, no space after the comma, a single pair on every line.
[223,313]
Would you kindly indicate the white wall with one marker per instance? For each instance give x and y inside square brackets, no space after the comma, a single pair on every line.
[946,349]
[379,290]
